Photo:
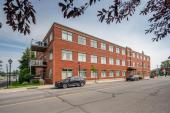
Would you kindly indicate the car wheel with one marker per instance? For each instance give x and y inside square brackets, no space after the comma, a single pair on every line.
[65,86]
[82,84]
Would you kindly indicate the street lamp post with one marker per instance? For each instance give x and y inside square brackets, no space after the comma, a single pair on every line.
[10,62]
[7,80]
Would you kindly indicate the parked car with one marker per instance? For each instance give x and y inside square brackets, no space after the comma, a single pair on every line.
[133,78]
[71,81]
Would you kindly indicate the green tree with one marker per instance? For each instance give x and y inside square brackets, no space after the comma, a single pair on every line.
[24,74]
[165,64]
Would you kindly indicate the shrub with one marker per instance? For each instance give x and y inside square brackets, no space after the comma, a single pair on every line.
[25,75]
[35,81]
[25,83]
[41,82]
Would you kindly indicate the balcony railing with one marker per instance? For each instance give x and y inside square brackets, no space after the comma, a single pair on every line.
[38,63]
[39,46]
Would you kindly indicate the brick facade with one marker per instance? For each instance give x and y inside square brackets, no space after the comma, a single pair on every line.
[138,62]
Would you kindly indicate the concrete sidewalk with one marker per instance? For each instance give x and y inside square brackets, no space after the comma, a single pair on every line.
[52,86]
[25,88]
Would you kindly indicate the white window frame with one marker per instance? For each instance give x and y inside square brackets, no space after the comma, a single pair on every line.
[93,43]
[50,73]
[103,73]
[111,73]
[82,73]
[118,73]
[65,54]
[111,61]
[81,57]
[134,56]
[117,50]
[93,59]
[81,40]
[111,48]
[51,36]
[94,74]
[51,55]
[123,52]
[103,60]
[118,62]
[124,73]
[123,63]
[103,46]
[68,36]
[67,72]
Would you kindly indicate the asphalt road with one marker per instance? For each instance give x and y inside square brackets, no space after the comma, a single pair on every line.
[146,96]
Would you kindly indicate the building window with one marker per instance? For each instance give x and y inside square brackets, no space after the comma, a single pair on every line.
[67,36]
[51,55]
[111,49]
[67,55]
[66,73]
[103,46]
[81,40]
[94,43]
[93,59]
[143,57]
[117,73]
[123,51]
[93,74]
[128,53]
[81,57]
[133,55]
[117,62]
[50,74]
[103,74]
[117,50]
[111,73]
[133,64]
[137,55]
[103,60]
[123,63]
[111,61]
[124,73]
[82,73]
[51,36]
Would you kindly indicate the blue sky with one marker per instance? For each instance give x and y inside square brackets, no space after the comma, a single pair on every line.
[129,33]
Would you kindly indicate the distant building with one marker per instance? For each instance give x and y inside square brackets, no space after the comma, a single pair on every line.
[165,67]
[66,52]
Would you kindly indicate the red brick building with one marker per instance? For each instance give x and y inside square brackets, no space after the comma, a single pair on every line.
[68,52]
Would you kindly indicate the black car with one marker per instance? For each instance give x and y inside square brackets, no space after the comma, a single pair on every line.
[132,78]
[71,81]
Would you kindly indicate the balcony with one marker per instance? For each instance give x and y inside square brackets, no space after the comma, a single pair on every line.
[38,63]
[39,46]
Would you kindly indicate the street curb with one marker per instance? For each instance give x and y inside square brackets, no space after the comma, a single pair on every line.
[89,82]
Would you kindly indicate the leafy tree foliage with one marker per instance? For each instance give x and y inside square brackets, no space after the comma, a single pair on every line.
[165,64]
[122,9]
[24,74]
[19,14]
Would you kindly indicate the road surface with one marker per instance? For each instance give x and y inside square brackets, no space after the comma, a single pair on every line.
[145,96]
